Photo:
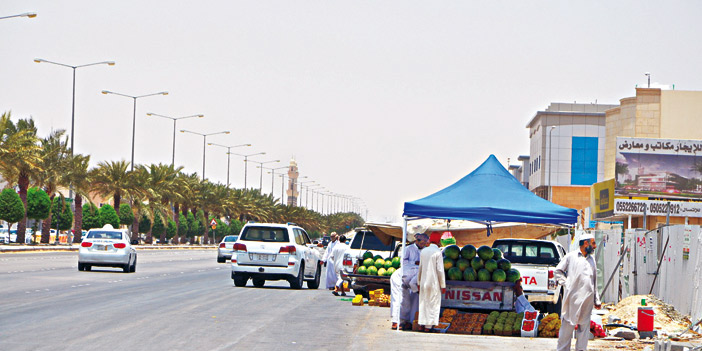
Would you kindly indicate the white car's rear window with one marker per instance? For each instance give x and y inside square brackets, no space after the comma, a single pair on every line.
[267,234]
[105,235]
[229,239]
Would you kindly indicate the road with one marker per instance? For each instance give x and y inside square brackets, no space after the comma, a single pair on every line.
[184,300]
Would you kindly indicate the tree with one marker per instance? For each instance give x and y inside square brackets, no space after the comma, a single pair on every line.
[54,160]
[38,204]
[91,217]
[61,215]
[235,226]
[11,208]
[158,229]
[193,225]
[126,216]
[182,227]
[19,158]
[77,177]
[144,225]
[108,215]
[171,229]
[111,179]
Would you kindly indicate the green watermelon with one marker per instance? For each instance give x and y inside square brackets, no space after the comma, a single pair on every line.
[452,252]
[455,274]
[504,264]
[469,275]
[361,270]
[491,265]
[377,257]
[448,241]
[499,275]
[484,275]
[379,263]
[381,272]
[448,263]
[368,262]
[462,264]
[391,270]
[497,254]
[468,252]
[396,262]
[476,263]
[388,264]
[367,254]
[485,252]
[513,275]
[372,270]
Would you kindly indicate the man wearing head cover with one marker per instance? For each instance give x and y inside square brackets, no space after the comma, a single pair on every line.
[410,266]
[331,277]
[578,275]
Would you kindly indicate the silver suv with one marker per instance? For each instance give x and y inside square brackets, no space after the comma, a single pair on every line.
[266,251]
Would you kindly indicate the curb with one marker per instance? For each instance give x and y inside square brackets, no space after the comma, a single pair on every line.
[38,248]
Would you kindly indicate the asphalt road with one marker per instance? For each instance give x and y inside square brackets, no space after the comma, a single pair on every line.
[184,300]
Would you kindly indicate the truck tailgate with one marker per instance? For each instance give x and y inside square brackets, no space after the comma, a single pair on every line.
[534,277]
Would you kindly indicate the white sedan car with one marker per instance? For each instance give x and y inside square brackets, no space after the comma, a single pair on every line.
[107,247]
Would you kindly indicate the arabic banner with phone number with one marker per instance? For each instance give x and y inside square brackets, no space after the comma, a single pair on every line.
[659,168]
[657,208]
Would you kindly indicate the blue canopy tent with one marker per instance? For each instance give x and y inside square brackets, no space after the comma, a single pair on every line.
[488,194]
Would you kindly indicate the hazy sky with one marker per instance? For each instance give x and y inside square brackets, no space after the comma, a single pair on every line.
[385,100]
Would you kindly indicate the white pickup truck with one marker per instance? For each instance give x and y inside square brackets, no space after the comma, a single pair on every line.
[536,260]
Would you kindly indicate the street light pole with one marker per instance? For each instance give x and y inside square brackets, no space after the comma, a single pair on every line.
[272,173]
[550,161]
[246,164]
[260,165]
[134,115]
[175,119]
[229,153]
[204,144]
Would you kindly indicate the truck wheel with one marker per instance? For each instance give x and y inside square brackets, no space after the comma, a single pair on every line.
[557,307]
[258,282]
[239,280]
[314,284]
[361,292]
[296,282]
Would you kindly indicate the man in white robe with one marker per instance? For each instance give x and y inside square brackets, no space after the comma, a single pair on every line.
[432,286]
[337,260]
[395,298]
[330,274]
[578,275]
[410,266]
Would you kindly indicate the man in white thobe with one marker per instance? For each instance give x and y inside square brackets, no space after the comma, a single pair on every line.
[410,266]
[337,260]
[330,275]
[578,275]
[395,298]
[432,286]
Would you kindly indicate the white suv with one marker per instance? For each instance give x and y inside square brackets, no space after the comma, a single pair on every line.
[275,252]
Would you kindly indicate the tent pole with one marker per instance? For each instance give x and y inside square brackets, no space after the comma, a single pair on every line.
[404,234]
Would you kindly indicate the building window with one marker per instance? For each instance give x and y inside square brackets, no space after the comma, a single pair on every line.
[583,167]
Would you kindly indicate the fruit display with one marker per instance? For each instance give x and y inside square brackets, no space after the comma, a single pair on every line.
[484,264]
[447,315]
[467,323]
[378,298]
[357,300]
[376,265]
[504,323]
[550,325]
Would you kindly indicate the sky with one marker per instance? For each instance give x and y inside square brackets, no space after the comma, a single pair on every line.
[387,101]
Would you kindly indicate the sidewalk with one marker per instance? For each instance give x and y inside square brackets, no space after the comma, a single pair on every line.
[63,247]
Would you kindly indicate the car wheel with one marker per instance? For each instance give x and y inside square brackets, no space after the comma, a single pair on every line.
[220,259]
[314,284]
[296,282]
[81,267]
[257,282]
[127,267]
[239,280]
[133,267]
[87,267]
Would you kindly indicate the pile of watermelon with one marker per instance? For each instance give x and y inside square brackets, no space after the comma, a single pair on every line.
[376,265]
[482,264]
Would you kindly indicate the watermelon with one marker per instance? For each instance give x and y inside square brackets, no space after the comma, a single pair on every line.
[468,252]
[391,270]
[455,274]
[462,264]
[469,275]
[361,270]
[379,263]
[497,254]
[513,275]
[504,264]
[381,271]
[367,254]
[452,252]
[376,257]
[491,265]
[476,263]
[372,270]
[388,264]
[484,275]
[396,262]
[499,275]
[485,252]
[448,263]
[368,262]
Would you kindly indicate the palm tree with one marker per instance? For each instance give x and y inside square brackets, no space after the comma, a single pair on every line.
[157,182]
[77,177]
[19,158]
[181,193]
[111,180]
[53,166]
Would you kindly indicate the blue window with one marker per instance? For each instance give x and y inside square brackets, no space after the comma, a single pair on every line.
[583,166]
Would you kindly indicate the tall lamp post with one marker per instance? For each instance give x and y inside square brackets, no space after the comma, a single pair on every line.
[204,144]
[307,195]
[229,153]
[26,14]
[301,185]
[550,161]
[260,165]
[134,115]
[246,164]
[272,173]
[175,119]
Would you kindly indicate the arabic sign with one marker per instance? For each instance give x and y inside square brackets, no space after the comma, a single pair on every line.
[602,199]
[660,168]
[686,242]
[482,295]
[657,208]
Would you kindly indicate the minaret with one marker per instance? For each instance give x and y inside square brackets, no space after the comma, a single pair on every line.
[292,183]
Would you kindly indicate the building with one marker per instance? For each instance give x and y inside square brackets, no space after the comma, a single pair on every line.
[292,191]
[521,171]
[567,149]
